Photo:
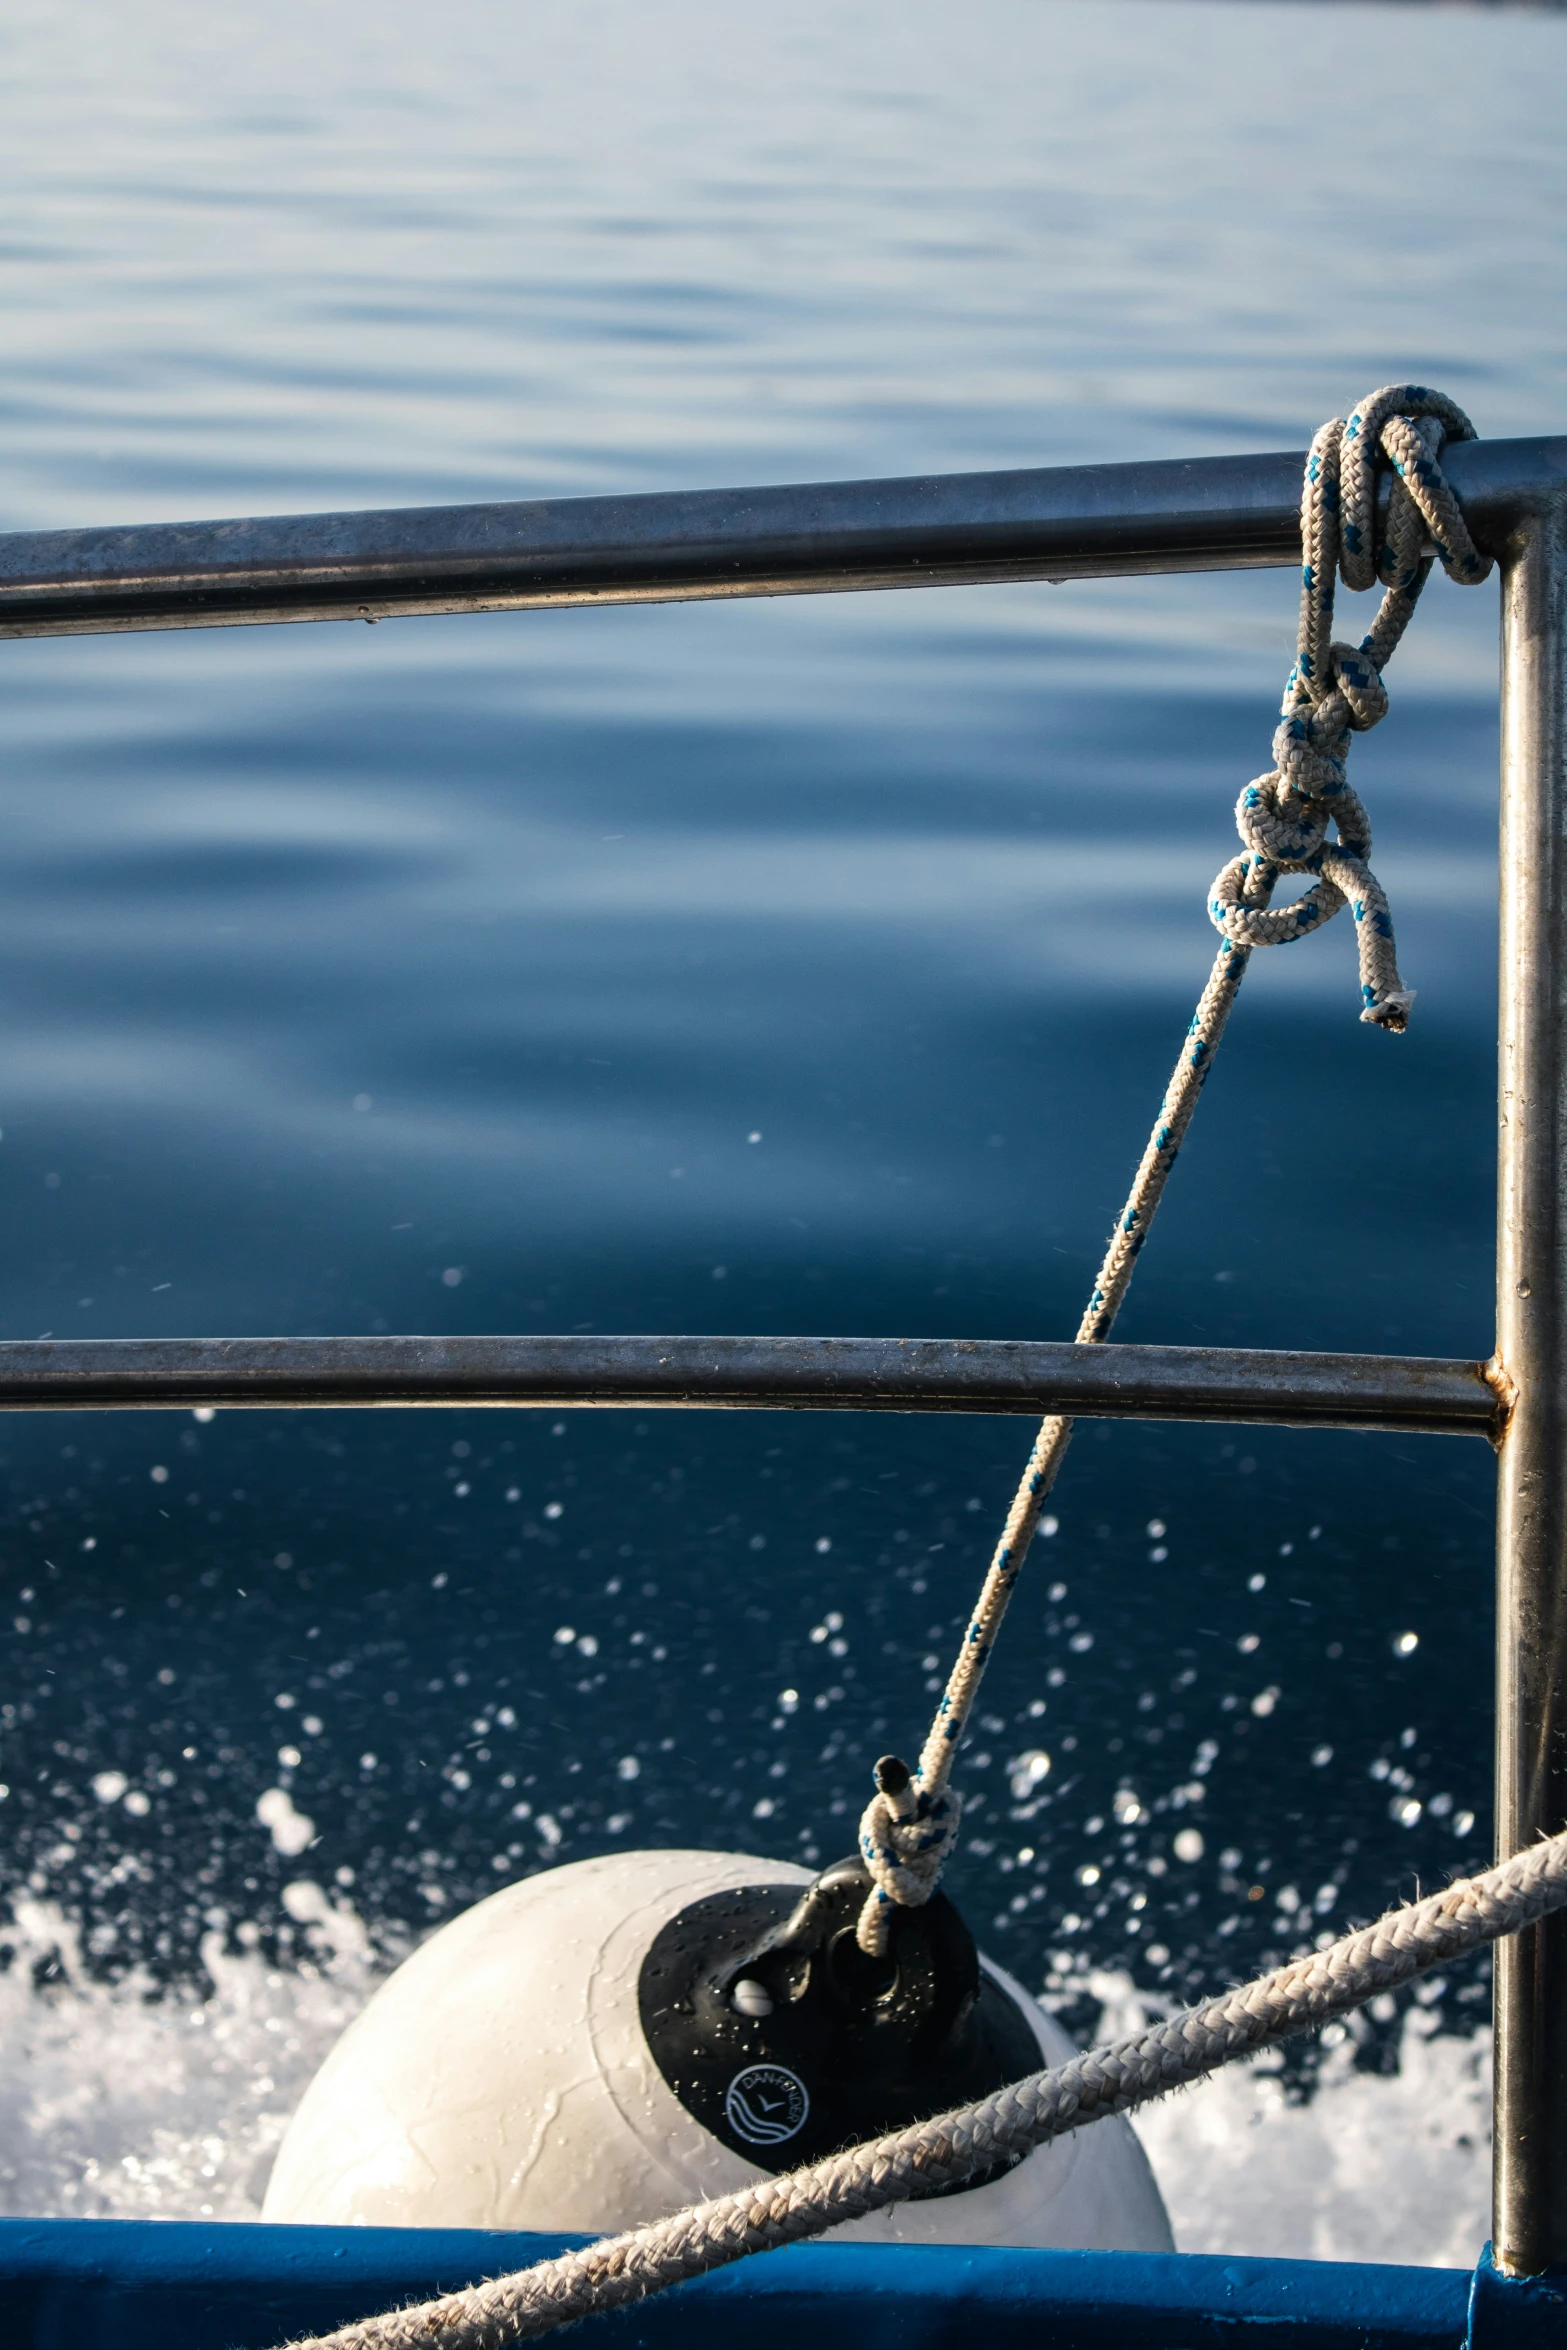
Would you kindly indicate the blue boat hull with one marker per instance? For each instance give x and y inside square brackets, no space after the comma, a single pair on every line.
[150,2285]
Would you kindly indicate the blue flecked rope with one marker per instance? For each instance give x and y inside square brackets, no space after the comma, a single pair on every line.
[1334,691]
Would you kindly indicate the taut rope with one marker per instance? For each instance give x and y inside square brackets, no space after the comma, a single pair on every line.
[1334,691]
[910,1824]
[1001,2129]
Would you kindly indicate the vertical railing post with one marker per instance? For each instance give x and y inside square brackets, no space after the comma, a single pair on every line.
[1530,2204]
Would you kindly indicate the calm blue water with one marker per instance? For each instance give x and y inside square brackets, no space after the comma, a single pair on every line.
[445,975]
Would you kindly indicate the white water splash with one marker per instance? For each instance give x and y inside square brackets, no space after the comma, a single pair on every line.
[1376,2166]
[125,2101]
[121,2101]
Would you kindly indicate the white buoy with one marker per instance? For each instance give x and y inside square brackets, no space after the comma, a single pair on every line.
[501,2079]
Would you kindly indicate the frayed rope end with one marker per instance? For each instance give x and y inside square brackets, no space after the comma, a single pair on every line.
[1392,1013]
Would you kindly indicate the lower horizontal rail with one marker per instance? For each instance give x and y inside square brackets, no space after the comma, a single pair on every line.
[1410,1392]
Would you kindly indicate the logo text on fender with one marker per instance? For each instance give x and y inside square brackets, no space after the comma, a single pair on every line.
[766,2104]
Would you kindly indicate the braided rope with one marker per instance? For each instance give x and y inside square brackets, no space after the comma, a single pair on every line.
[1336,690]
[908,1829]
[910,1825]
[1000,2130]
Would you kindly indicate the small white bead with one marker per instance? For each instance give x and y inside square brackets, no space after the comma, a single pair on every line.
[752,1998]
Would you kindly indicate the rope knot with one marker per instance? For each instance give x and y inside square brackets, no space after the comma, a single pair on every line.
[1308,752]
[906,1833]
[1287,833]
[1359,681]
[1336,690]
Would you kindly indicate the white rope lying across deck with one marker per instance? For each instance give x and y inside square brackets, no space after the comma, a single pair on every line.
[1000,2129]
[908,1829]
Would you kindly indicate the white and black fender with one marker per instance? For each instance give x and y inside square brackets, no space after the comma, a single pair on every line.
[611,2040]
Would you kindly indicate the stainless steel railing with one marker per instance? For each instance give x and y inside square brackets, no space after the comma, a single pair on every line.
[1078,522]
[1417,1394]
[1071,522]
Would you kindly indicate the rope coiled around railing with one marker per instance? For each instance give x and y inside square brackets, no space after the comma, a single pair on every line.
[1333,692]
[999,2130]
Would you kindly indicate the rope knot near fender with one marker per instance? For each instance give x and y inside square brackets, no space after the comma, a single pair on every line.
[1334,691]
[906,1833]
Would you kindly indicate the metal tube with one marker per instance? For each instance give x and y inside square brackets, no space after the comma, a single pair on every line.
[1100,521]
[1411,1393]
[1531,1701]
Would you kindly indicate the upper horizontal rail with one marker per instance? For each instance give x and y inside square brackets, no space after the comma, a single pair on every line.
[1080,521]
[1414,1393]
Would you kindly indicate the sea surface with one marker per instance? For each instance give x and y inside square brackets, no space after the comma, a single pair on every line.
[800,966]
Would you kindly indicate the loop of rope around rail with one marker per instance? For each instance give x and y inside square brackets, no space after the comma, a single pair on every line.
[1333,691]
[1000,2130]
